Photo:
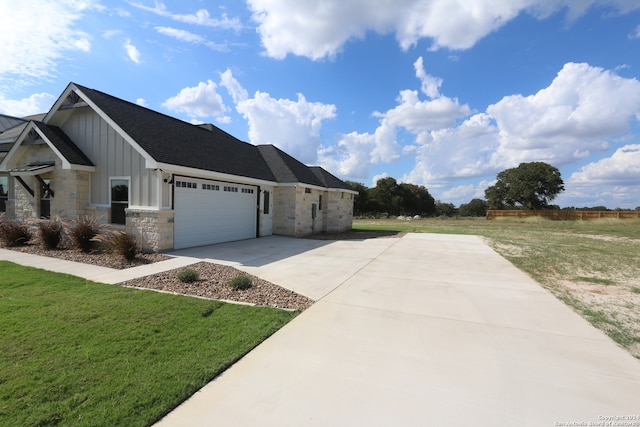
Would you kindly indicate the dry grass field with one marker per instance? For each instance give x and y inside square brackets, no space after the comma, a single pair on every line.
[593,266]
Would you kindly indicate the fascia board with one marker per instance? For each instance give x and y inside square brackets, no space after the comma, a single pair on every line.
[315,187]
[201,173]
[56,106]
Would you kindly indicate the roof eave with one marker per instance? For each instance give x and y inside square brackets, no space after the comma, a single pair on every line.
[206,174]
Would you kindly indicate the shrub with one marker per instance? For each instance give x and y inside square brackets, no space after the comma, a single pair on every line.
[188,275]
[85,233]
[123,244]
[14,232]
[50,234]
[240,282]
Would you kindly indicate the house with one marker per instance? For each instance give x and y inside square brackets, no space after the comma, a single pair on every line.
[169,183]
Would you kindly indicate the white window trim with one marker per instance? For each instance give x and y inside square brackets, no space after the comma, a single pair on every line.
[122,178]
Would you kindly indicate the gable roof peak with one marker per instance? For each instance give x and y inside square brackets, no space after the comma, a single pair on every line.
[167,140]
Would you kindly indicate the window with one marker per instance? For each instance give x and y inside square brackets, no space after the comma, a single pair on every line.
[320,203]
[4,192]
[186,184]
[247,190]
[119,199]
[231,189]
[266,202]
[307,191]
[45,198]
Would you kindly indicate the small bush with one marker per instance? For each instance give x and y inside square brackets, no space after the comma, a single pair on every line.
[85,233]
[123,244]
[188,275]
[14,232]
[50,234]
[240,282]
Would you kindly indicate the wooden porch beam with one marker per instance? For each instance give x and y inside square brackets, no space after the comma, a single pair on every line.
[24,184]
[45,185]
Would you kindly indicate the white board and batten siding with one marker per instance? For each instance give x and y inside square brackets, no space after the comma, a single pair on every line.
[208,212]
[113,156]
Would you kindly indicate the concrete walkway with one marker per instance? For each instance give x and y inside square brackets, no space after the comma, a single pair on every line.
[427,330]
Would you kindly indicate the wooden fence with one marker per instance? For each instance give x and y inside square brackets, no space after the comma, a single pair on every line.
[563,215]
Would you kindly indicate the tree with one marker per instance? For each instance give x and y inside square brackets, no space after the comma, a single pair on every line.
[476,207]
[416,200]
[361,202]
[445,209]
[530,185]
[397,199]
[385,196]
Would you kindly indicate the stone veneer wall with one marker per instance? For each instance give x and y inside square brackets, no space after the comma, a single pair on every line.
[339,212]
[284,211]
[293,207]
[305,224]
[70,200]
[153,229]
[24,206]
[71,190]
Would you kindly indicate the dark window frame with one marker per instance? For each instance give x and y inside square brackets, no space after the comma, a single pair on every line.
[116,199]
[4,194]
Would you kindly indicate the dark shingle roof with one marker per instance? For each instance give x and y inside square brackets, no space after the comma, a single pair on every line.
[64,144]
[328,180]
[287,169]
[173,141]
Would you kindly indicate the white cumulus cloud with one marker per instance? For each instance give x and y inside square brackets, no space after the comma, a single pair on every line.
[202,100]
[291,125]
[357,152]
[35,104]
[320,29]
[612,181]
[623,167]
[578,114]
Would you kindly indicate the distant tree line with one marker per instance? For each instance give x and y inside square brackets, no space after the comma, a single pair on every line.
[393,199]
[529,186]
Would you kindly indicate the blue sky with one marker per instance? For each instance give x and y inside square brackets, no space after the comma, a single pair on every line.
[439,93]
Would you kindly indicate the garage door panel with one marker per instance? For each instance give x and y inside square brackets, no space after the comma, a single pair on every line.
[205,213]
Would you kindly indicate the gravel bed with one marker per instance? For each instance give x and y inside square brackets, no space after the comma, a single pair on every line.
[97,257]
[213,283]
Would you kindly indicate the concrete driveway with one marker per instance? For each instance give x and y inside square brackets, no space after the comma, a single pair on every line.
[426,330]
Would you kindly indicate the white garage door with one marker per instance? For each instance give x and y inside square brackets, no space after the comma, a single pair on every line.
[209,212]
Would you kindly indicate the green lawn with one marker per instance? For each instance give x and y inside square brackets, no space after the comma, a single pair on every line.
[593,266]
[76,353]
